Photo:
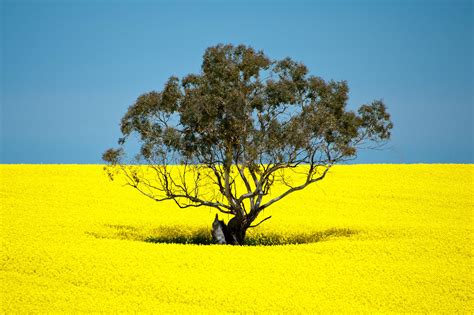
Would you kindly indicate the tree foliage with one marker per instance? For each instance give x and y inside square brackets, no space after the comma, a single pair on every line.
[244,121]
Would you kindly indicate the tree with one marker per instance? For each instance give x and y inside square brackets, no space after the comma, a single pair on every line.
[242,125]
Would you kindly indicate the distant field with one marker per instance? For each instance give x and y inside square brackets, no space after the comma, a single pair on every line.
[370,238]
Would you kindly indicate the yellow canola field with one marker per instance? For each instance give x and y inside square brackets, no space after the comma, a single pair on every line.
[372,238]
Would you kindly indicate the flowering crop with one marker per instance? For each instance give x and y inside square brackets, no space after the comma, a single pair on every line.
[368,238]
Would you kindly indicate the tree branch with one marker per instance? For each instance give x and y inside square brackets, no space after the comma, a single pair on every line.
[252,226]
[296,188]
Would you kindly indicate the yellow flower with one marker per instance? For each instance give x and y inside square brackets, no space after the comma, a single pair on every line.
[368,238]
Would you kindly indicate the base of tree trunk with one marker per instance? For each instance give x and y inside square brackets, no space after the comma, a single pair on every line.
[231,234]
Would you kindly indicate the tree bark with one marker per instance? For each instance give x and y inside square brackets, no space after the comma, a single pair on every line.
[232,233]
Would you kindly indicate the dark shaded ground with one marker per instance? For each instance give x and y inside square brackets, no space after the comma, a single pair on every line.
[202,236]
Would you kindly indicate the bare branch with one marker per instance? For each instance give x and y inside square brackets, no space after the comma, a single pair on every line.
[255,225]
[296,188]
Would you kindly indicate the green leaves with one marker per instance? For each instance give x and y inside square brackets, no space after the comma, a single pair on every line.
[375,120]
[112,156]
[171,96]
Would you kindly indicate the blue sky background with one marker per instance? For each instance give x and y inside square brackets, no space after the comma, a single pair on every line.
[70,69]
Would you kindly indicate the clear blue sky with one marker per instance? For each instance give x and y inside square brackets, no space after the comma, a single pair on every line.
[70,69]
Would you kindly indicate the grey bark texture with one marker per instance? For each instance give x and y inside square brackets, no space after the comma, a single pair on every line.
[232,234]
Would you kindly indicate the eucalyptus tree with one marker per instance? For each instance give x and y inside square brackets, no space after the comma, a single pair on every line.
[244,124]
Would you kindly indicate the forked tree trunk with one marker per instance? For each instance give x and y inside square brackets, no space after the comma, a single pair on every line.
[233,233]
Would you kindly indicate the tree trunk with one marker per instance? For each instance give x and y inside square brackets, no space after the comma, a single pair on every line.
[232,234]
